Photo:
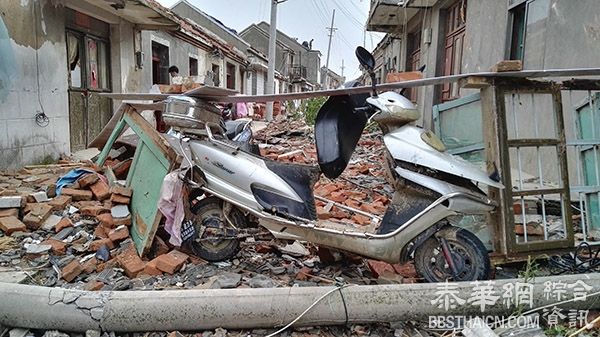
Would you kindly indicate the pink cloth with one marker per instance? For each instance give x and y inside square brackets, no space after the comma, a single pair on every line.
[171,206]
[241,110]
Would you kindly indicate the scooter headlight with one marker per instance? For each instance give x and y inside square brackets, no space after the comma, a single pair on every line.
[432,140]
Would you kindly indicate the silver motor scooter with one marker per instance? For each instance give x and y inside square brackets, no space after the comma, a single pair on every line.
[229,183]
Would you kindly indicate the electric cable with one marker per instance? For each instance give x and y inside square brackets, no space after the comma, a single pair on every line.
[580,261]
[338,288]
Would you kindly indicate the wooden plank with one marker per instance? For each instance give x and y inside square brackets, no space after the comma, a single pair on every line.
[507,65]
[211,91]
[541,191]
[474,82]
[107,131]
[109,143]
[367,89]
[403,76]
[531,142]
[494,128]
[138,97]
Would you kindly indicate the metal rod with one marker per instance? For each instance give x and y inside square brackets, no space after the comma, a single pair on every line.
[348,208]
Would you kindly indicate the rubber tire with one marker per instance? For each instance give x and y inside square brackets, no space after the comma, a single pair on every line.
[454,236]
[229,249]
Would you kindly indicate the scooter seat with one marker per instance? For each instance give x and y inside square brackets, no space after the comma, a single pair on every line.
[301,179]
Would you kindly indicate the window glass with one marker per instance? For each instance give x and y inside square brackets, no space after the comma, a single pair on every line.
[92,53]
[103,66]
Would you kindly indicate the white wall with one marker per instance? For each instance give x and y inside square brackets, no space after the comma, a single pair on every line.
[34,80]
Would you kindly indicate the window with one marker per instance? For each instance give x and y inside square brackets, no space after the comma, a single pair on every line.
[230,76]
[216,75]
[517,16]
[88,68]
[193,66]
[455,24]
[160,63]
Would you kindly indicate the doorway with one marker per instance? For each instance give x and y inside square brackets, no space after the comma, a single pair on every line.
[88,64]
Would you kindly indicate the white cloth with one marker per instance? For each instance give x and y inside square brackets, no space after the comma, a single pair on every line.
[171,206]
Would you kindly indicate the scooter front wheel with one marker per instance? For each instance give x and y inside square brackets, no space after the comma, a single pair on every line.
[211,241]
[452,254]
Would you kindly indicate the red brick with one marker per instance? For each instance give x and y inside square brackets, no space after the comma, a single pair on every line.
[93,210]
[120,190]
[122,221]
[379,267]
[96,244]
[407,270]
[100,190]
[100,232]
[90,265]
[11,224]
[262,248]
[58,247]
[106,220]
[38,214]
[119,199]
[131,262]
[118,234]
[77,195]
[150,269]
[171,262]
[304,274]
[93,285]
[9,212]
[121,169]
[322,213]
[361,219]
[88,179]
[64,223]
[60,202]
[72,270]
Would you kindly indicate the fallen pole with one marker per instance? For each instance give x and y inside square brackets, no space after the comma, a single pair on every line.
[37,307]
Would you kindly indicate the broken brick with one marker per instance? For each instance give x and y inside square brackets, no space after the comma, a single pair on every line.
[304,274]
[58,247]
[38,214]
[120,190]
[93,210]
[106,220]
[77,195]
[100,190]
[88,179]
[11,224]
[90,265]
[159,247]
[118,234]
[131,262]
[262,248]
[64,223]
[407,270]
[121,169]
[97,244]
[122,221]
[151,269]
[322,214]
[361,219]
[60,202]
[9,212]
[94,285]
[171,262]
[379,267]
[71,270]
[119,199]
[100,232]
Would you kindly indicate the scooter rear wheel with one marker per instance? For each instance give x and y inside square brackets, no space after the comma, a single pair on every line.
[208,219]
[468,254]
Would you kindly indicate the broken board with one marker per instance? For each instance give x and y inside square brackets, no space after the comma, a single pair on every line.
[153,159]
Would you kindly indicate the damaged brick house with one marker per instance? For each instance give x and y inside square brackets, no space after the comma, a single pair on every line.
[56,57]
[103,47]
[466,36]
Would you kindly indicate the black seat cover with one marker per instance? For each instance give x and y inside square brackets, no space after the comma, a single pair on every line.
[337,131]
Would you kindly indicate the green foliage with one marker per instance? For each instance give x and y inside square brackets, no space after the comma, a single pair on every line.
[310,107]
[559,331]
[531,270]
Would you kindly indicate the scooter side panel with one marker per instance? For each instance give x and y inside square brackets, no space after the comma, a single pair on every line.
[405,144]
[232,174]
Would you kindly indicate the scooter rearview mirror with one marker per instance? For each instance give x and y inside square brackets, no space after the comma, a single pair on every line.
[365,58]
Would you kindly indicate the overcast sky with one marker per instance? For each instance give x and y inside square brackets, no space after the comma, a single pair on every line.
[305,20]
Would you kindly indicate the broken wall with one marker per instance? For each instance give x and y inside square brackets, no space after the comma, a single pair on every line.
[33,79]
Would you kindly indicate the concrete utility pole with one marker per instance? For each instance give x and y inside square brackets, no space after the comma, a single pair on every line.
[272,43]
[331,29]
[342,67]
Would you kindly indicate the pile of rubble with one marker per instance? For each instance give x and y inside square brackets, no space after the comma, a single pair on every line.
[79,236]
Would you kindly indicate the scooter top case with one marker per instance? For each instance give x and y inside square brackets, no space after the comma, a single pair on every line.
[338,128]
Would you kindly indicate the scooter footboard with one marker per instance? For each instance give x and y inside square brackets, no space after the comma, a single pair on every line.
[384,247]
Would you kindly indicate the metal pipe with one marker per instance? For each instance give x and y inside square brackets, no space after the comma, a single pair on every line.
[45,308]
